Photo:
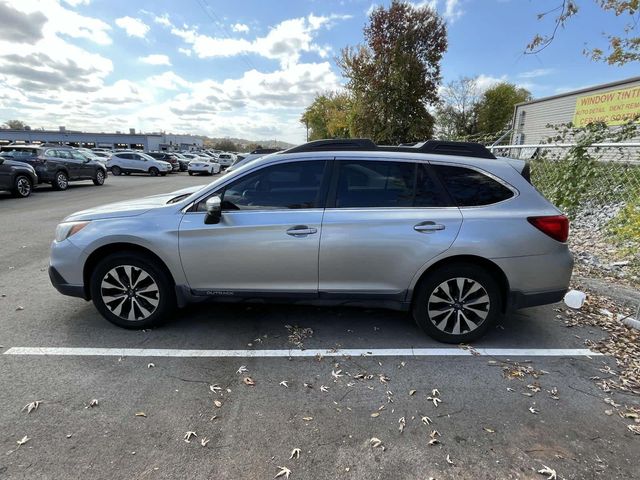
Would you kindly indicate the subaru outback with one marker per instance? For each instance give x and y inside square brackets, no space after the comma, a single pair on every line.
[444,230]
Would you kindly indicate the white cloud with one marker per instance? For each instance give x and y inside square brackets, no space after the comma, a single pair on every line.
[163,20]
[284,42]
[240,27]
[156,59]
[168,81]
[133,26]
[75,3]
[451,10]
[538,72]
[185,51]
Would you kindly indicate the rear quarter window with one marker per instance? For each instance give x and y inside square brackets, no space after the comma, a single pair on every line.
[471,188]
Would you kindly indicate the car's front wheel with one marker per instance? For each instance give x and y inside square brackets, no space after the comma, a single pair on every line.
[116,170]
[22,186]
[132,291]
[60,181]
[457,303]
[99,178]
[153,171]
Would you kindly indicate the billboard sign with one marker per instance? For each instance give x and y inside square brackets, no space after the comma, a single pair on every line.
[614,107]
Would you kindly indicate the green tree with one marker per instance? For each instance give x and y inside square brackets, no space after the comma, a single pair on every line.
[226,146]
[394,76]
[457,112]
[15,124]
[621,48]
[495,108]
[328,116]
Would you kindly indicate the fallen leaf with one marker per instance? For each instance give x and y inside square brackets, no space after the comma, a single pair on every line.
[204,441]
[336,374]
[434,441]
[284,384]
[92,403]
[488,430]
[249,381]
[217,403]
[449,461]
[151,365]
[295,453]
[534,411]
[19,308]
[307,419]
[376,442]
[23,440]
[434,434]
[375,414]
[548,471]
[426,420]
[412,392]
[141,414]
[215,388]
[324,389]
[402,423]
[435,400]
[188,435]
[242,369]
[284,471]
[634,428]
[30,407]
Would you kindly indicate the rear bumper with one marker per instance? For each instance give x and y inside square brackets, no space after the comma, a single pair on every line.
[60,284]
[518,300]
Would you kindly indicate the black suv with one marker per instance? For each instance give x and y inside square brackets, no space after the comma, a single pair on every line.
[57,165]
[17,177]
[176,165]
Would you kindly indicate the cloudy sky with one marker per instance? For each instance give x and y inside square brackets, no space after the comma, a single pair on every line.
[248,68]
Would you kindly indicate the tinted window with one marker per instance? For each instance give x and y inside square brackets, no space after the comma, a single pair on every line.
[386,184]
[470,187]
[290,185]
[65,154]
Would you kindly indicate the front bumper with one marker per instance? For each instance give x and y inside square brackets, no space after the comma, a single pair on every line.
[61,285]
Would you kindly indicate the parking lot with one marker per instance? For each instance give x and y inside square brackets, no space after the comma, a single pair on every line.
[361,393]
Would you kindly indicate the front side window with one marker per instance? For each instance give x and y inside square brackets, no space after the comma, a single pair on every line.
[366,183]
[470,188]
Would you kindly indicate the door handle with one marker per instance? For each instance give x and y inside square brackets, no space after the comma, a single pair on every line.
[428,227]
[301,230]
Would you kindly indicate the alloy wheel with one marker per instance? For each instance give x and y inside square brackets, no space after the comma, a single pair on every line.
[130,292]
[61,181]
[100,177]
[458,305]
[23,186]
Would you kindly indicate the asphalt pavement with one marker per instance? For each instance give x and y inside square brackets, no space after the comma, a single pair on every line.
[373,414]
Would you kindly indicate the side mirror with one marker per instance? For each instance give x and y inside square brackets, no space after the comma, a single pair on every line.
[214,210]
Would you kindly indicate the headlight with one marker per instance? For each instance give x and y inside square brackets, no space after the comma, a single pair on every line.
[67,229]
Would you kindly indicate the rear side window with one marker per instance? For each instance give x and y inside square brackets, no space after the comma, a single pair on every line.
[372,184]
[470,188]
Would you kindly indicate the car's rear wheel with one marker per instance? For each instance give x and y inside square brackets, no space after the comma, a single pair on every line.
[60,181]
[99,180]
[116,170]
[153,171]
[132,291]
[190,173]
[22,186]
[457,303]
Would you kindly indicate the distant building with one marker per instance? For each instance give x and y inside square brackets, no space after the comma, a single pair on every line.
[613,103]
[132,140]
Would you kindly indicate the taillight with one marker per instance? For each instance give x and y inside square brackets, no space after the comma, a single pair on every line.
[556,226]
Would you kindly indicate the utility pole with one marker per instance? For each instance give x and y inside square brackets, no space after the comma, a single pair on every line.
[306,122]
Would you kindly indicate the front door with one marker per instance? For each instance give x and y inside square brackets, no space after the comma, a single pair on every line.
[384,220]
[267,239]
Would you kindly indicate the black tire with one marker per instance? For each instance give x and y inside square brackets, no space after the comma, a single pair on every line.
[99,178]
[116,170]
[440,318]
[114,311]
[22,186]
[163,174]
[153,171]
[60,181]
[190,173]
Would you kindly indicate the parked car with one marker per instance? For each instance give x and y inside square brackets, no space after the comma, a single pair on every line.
[58,165]
[135,162]
[208,166]
[226,159]
[183,161]
[255,154]
[166,157]
[442,229]
[17,177]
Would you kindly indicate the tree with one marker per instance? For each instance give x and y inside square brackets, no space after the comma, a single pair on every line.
[495,108]
[15,125]
[328,116]
[394,77]
[622,48]
[457,113]
[226,146]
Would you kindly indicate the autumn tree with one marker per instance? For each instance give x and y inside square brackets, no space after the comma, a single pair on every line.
[621,47]
[328,116]
[15,124]
[394,76]
[495,108]
[225,145]
[457,112]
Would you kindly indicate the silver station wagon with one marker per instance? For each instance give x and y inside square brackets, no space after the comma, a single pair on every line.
[444,230]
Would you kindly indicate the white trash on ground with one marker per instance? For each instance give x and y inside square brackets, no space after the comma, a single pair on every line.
[575,299]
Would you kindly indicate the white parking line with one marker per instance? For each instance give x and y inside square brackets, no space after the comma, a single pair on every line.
[353,352]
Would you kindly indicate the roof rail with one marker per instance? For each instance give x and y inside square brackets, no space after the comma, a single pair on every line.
[437,147]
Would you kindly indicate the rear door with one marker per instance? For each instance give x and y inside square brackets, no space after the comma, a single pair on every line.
[64,159]
[85,167]
[384,220]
